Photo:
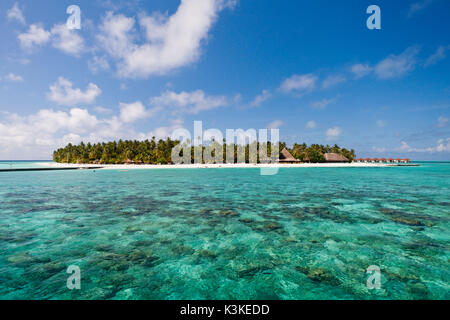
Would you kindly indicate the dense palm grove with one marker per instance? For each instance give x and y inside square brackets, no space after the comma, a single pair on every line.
[159,152]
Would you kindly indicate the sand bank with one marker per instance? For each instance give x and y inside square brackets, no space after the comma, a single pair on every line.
[213,166]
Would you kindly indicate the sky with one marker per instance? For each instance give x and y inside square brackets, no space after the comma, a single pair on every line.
[313,69]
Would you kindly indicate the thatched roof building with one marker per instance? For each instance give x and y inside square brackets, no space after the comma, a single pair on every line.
[335,157]
[286,157]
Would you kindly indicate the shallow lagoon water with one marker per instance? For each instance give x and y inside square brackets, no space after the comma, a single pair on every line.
[305,233]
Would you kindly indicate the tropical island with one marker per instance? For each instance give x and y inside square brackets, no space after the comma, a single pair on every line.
[159,152]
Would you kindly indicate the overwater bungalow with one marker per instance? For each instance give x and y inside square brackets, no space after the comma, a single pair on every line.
[335,157]
[382,160]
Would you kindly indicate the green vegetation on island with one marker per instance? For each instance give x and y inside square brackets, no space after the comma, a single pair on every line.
[159,152]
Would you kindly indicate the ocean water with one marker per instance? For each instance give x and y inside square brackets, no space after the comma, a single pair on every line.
[21,164]
[305,233]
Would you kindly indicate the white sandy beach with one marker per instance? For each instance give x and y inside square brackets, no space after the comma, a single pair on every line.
[211,166]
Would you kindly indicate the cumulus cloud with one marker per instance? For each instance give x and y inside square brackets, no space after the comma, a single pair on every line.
[97,64]
[361,70]
[15,14]
[35,136]
[63,93]
[261,98]
[131,112]
[333,133]
[311,124]
[299,84]
[395,66]
[276,124]
[332,81]
[62,38]
[188,102]
[66,40]
[35,36]
[440,54]
[170,42]
[164,132]
[442,146]
[13,77]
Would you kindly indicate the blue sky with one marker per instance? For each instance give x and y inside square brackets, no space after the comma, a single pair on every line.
[138,69]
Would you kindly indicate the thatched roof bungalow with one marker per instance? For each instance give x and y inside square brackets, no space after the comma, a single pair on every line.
[287,157]
[335,157]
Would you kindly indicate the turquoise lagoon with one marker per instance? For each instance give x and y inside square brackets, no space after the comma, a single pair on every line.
[305,233]
[22,164]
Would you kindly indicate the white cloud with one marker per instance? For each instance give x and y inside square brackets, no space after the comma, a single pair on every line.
[189,102]
[361,70]
[311,124]
[63,93]
[114,34]
[322,104]
[332,81]
[97,64]
[442,146]
[333,133]
[395,66]
[418,6]
[440,54]
[381,123]
[261,98]
[163,132]
[170,42]
[36,36]
[13,77]
[442,121]
[276,124]
[66,40]
[15,14]
[406,148]
[34,136]
[299,83]
[131,112]
[101,109]
[37,135]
